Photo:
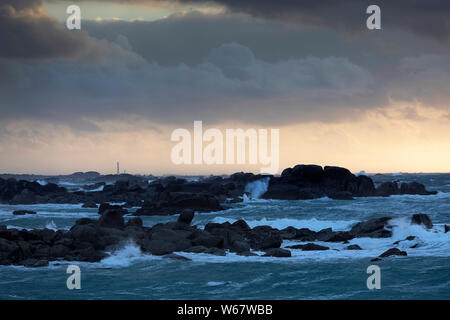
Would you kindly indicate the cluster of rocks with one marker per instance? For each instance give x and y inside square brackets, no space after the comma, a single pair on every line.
[172,195]
[90,239]
[312,181]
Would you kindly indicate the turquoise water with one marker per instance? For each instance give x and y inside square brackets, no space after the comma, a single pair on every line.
[332,274]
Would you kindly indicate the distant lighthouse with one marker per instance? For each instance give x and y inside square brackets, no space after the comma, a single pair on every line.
[118,169]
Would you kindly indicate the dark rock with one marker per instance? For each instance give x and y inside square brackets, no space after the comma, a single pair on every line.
[281,191]
[341,236]
[89,204]
[84,221]
[176,257]
[342,195]
[422,219]
[84,233]
[415,188]
[325,234]
[373,228]
[59,251]
[241,225]
[353,247]
[296,246]
[387,188]
[336,178]
[106,206]
[197,249]
[112,218]
[446,228]
[239,246]
[264,237]
[186,216]
[247,254]
[23,212]
[34,263]
[375,259]
[209,241]
[393,252]
[134,222]
[313,247]
[277,252]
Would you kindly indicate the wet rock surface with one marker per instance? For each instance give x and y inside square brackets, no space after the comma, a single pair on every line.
[89,239]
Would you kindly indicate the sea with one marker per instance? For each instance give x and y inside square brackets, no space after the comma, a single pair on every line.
[333,274]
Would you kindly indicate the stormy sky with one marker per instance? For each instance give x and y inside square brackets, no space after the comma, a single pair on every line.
[374,100]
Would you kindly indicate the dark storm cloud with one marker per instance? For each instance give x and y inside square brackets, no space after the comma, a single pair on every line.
[428,17]
[26,32]
[218,68]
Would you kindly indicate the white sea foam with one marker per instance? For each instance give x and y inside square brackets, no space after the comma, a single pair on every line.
[256,188]
[51,225]
[42,182]
[123,257]
[96,189]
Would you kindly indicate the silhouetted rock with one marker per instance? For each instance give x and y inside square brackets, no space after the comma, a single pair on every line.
[277,252]
[353,247]
[373,228]
[112,218]
[89,204]
[176,257]
[415,188]
[387,189]
[23,212]
[422,219]
[314,247]
[341,195]
[186,216]
[393,252]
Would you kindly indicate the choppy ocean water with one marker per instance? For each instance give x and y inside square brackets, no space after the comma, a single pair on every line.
[332,274]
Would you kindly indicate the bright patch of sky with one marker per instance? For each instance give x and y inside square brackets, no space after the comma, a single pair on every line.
[95,10]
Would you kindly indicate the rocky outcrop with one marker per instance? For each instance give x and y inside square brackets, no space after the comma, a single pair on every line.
[422,219]
[393,252]
[304,182]
[308,247]
[169,195]
[176,202]
[89,239]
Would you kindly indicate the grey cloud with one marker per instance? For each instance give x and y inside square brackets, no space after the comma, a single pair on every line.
[424,17]
[26,32]
[230,84]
